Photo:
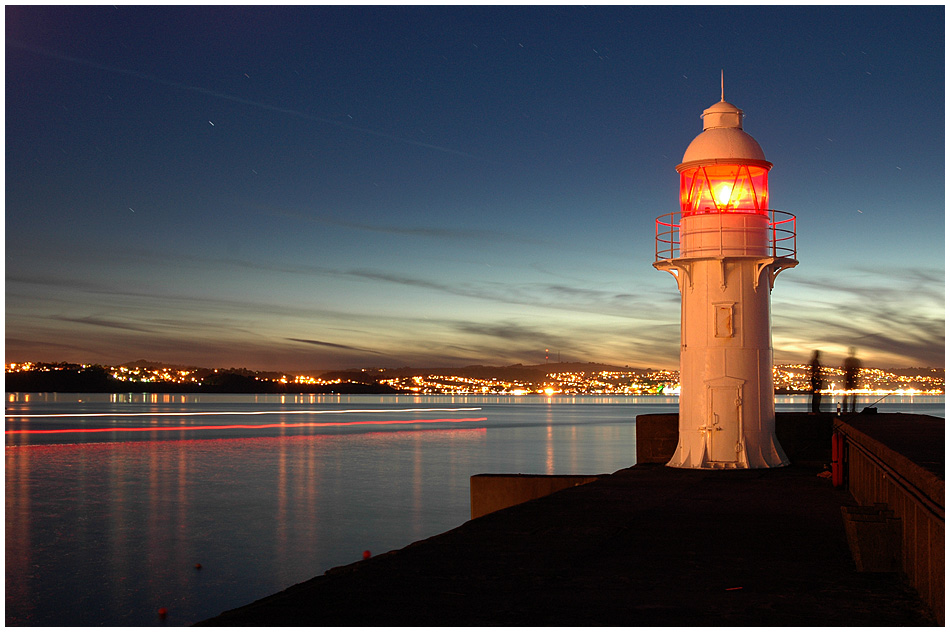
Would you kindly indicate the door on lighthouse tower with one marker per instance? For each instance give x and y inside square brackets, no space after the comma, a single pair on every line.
[724,415]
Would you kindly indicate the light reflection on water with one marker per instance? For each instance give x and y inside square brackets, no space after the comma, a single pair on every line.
[103,529]
[107,533]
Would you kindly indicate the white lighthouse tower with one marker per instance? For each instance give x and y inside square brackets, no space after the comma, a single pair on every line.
[725,247]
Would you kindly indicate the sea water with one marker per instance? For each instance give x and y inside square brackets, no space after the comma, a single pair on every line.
[120,506]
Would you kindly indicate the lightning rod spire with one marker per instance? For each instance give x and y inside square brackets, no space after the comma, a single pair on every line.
[722,86]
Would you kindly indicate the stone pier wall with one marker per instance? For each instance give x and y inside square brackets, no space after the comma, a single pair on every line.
[805,438]
[878,475]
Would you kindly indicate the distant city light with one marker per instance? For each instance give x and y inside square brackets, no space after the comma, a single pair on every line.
[788,378]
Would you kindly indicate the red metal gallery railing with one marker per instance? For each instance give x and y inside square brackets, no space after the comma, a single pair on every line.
[782,236]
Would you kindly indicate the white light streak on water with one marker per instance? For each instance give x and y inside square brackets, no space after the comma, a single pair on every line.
[246,413]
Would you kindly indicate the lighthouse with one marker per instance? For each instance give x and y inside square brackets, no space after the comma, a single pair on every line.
[725,247]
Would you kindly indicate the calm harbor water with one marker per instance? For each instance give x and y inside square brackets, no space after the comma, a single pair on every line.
[112,501]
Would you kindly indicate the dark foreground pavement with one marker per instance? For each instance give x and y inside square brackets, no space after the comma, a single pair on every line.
[648,545]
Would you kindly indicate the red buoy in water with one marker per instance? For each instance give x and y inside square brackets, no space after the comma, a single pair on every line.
[162,613]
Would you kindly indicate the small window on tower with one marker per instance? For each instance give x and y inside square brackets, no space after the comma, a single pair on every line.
[724,318]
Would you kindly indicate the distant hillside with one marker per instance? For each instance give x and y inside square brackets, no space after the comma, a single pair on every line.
[97,379]
[148,364]
[148,376]
[914,371]
[514,372]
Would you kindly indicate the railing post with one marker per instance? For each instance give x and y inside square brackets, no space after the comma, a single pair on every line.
[719,216]
[794,237]
[774,236]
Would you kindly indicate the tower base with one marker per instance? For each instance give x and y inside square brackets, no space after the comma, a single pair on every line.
[692,453]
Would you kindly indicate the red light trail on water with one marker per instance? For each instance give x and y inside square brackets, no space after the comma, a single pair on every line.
[311,424]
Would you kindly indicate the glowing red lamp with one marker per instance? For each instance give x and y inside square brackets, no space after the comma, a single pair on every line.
[724,169]
[724,188]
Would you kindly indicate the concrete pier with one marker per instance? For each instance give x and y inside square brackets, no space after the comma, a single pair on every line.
[491,492]
[647,545]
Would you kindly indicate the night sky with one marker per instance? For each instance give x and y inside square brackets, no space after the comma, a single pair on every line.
[332,187]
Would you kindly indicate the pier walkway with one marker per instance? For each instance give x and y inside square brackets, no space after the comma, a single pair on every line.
[647,545]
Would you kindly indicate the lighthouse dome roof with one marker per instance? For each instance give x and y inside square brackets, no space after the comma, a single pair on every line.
[722,137]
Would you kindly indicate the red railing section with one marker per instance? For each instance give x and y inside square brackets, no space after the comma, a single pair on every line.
[783,237]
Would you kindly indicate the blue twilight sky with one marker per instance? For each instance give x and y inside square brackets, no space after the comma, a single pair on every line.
[330,187]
